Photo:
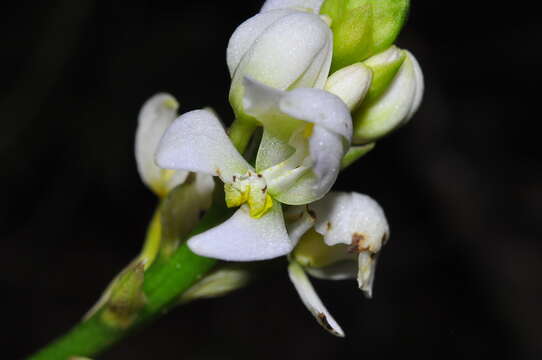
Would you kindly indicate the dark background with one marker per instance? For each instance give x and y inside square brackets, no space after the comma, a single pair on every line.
[461,185]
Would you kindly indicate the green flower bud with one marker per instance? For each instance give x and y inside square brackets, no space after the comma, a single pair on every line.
[220,282]
[126,298]
[393,98]
[362,28]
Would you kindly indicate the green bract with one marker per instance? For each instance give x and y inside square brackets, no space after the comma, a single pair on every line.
[362,28]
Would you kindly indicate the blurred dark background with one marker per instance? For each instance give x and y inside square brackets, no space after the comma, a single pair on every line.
[461,185]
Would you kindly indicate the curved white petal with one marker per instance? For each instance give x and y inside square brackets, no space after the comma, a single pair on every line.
[263,103]
[294,182]
[282,54]
[244,238]
[326,150]
[306,5]
[418,76]
[196,141]
[320,108]
[298,227]
[244,36]
[154,118]
[366,272]
[272,151]
[350,84]
[311,300]
[344,218]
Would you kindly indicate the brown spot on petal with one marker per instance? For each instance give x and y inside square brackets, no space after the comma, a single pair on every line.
[322,319]
[259,175]
[358,243]
[234,178]
[264,189]
[328,226]
[311,213]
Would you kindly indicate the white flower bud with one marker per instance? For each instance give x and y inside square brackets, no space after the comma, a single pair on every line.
[393,98]
[305,5]
[351,83]
[283,48]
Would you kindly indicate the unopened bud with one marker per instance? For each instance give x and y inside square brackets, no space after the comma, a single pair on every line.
[126,298]
[362,28]
[283,48]
[220,282]
[393,98]
[350,84]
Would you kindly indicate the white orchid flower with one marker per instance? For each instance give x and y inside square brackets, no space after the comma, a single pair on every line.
[181,207]
[306,133]
[282,48]
[304,5]
[348,231]
[155,116]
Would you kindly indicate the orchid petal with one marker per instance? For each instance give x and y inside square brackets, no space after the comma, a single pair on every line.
[196,141]
[310,299]
[282,53]
[320,108]
[346,217]
[154,118]
[418,75]
[244,238]
[247,33]
[307,5]
[366,272]
[298,227]
[272,151]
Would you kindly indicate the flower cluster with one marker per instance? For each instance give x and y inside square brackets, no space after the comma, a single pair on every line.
[323,81]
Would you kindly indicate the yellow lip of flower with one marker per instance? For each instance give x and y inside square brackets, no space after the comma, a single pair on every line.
[251,189]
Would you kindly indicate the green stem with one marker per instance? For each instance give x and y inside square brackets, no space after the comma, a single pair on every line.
[165,280]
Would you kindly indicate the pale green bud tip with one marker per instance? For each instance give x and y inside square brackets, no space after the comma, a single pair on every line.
[362,28]
[393,98]
[350,84]
[126,298]
[218,283]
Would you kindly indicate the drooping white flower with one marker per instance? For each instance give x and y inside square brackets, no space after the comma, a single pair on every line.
[282,48]
[348,231]
[306,133]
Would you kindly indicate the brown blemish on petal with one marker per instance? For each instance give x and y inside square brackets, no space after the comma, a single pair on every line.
[234,178]
[322,319]
[259,175]
[190,178]
[358,243]
[264,189]
[311,213]
[328,226]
